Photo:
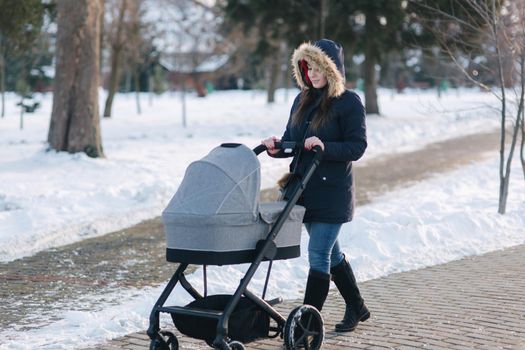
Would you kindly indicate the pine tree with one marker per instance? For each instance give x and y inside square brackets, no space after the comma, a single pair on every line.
[20,23]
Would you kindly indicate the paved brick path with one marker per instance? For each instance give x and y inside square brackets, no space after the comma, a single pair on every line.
[473,303]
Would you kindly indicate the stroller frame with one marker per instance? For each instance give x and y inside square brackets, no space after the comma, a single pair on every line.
[265,250]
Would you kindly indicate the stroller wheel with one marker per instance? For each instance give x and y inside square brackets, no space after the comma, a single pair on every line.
[236,345]
[164,341]
[304,329]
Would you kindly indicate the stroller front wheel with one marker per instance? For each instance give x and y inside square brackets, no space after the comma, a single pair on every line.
[304,328]
[164,341]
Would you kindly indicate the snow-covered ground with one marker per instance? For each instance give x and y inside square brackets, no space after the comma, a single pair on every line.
[48,199]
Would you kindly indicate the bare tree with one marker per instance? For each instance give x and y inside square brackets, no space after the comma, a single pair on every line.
[522,148]
[194,39]
[75,121]
[139,44]
[496,29]
[116,39]
[191,44]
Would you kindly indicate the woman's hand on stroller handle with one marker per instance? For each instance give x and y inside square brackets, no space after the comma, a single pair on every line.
[270,144]
[274,145]
[287,146]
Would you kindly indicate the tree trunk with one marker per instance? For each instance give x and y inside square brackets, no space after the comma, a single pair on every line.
[183,98]
[322,17]
[273,76]
[116,52]
[520,128]
[114,78]
[150,90]
[22,112]
[75,122]
[2,79]
[522,146]
[287,77]
[101,41]
[137,89]
[371,59]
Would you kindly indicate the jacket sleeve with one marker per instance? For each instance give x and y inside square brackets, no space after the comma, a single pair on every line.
[351,119]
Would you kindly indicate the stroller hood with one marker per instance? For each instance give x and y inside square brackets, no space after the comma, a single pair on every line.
[221,188]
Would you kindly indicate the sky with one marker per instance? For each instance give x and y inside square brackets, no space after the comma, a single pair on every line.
[48,199]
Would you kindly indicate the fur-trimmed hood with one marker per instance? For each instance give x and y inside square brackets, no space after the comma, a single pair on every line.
[326,54]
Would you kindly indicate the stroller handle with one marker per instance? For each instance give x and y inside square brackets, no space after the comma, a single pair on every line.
[288,147]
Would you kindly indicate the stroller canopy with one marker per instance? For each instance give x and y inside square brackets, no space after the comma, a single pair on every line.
[221,188]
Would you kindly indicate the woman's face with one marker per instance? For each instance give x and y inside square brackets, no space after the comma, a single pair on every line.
[317,78]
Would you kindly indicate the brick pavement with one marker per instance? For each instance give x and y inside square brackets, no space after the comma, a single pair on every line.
[474,303]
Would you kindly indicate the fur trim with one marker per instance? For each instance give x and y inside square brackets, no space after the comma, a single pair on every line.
[313,54]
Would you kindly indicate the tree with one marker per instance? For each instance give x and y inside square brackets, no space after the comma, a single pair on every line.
[195,40]
[116,37]
[377,25]
[491,33]
[20,23]
[75,121]
[368,26]
[274,26]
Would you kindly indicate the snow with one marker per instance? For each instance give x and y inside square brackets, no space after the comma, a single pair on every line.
[49,199]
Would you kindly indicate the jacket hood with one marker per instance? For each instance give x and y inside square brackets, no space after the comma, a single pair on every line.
[326,54]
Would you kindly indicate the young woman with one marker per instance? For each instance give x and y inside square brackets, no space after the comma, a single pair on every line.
[325,114]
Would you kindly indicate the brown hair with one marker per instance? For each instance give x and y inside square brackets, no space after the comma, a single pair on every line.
[322,115]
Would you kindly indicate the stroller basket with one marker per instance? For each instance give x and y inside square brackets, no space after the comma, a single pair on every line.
[247,322]
[215,217]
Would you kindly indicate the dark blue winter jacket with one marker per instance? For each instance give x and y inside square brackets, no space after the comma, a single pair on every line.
[329,195]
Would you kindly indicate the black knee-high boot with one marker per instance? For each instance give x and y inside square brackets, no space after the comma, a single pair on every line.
[356,310]
[317,287]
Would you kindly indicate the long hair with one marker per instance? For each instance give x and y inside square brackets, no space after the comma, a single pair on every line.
[321,117]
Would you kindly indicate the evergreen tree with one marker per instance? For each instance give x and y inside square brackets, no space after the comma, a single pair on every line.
[272,24]
[20,24]
[376,27]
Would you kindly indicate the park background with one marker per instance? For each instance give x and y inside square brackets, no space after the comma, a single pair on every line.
[146,87]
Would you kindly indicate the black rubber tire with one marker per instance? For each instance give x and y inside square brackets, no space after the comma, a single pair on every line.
[164,341]
[304,329]
[157,344]
[236,345]
[173,343]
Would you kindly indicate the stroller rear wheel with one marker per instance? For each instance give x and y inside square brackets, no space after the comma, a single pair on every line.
[164,341]
[304,328]
[235,345]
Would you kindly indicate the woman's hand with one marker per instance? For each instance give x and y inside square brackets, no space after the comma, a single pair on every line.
[313,141]
[270,144]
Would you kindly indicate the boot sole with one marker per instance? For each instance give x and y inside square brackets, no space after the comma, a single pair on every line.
[362,319]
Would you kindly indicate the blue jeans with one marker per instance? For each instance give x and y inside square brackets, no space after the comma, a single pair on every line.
[323,248]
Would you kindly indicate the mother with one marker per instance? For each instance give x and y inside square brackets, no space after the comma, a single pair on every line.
[328,115]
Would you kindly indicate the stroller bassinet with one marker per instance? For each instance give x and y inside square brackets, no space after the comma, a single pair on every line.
[215,217]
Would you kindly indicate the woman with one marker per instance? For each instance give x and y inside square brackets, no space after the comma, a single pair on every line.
[325,114]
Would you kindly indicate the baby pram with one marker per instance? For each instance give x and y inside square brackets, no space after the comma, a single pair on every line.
[215,218]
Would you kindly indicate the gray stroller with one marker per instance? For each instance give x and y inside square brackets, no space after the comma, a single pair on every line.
[215,218]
